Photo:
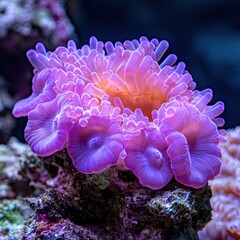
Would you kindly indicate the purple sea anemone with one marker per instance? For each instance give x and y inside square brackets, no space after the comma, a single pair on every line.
[115,105]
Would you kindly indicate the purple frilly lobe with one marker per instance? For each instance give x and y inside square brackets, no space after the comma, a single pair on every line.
[47,128]
[114,104]
[147,158]
[97,146]
[42,91]
[192,139]
[42,83]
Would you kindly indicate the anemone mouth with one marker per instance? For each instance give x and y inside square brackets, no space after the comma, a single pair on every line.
[155,157]
[95,142]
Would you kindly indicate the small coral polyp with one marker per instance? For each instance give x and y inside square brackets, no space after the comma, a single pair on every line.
[123,105]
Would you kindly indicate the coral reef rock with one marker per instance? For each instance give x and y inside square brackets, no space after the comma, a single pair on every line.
[48,198]
[113,205]
[7,121]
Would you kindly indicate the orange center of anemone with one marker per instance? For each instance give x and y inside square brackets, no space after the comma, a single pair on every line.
[148,98]
[135,78]
[146,102]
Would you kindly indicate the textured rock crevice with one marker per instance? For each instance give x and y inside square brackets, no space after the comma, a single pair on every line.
[113,205]
[66,204]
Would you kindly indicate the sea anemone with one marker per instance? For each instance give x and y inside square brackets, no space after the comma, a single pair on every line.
[115,105]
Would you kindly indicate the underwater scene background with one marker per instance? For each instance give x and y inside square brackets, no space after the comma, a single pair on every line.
[51,194]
